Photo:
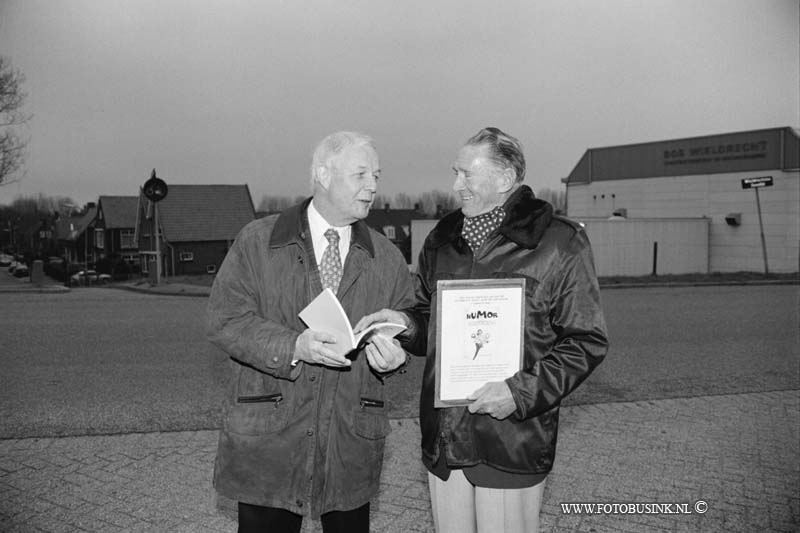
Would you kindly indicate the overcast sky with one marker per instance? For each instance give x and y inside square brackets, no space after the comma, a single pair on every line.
[241,91]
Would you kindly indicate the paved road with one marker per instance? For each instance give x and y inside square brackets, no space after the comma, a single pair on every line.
[737,452]
[96,361]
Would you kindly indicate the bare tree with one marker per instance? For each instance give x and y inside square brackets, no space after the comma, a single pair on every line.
[380,201]
[26,213]
[398,201]
[557,198]
[437,203]
[12,146]
[403,201]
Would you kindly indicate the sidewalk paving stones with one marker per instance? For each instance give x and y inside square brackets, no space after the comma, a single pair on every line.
[738,453]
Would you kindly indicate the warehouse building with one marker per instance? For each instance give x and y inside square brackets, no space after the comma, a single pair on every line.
[692,205]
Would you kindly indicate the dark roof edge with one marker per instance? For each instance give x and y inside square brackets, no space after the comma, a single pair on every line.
[694,138]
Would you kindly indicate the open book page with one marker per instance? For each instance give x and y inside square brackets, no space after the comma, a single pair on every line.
[325,313]
[387,329]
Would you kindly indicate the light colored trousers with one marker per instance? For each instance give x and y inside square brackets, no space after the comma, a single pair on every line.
[461,507]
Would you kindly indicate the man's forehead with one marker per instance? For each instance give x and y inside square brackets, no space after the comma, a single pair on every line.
[471,157]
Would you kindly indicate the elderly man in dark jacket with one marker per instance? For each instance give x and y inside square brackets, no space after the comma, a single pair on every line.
[487,461]
[304,426]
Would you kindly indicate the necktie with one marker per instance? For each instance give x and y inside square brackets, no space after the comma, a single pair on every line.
[331,267]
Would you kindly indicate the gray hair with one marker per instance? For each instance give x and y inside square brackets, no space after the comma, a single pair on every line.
[333,145]
[504,150]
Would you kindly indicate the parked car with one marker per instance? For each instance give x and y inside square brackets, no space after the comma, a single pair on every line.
[6,260]
[84,277]
[89,277]
[21,271]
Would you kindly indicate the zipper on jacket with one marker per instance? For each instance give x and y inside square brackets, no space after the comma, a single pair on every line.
[369,402]
[267,398]
[482,249]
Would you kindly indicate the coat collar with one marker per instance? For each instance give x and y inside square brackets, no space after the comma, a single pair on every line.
[292,228]
[527,218]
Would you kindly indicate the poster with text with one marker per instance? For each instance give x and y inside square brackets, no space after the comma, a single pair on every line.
[479,335]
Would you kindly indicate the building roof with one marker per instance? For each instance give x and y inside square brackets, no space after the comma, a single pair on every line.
[70,228]
[755,150]
[380,218]
[119,211]
[204,212]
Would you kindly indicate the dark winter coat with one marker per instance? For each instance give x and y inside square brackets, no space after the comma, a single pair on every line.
[306,438]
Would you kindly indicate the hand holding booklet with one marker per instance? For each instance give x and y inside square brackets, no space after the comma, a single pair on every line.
[325,313]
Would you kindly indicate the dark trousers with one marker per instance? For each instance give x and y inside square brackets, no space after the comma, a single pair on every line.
[258,519]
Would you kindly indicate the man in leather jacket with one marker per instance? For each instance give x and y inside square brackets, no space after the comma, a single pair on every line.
[304,427]
[487,462]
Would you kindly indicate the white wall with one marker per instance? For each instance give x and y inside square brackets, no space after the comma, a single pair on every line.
[419,232]
[626,247]
[713,196]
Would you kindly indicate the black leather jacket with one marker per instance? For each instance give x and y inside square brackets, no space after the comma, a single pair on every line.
[564,340]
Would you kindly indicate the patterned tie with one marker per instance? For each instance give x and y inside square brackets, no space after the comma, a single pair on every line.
[331,267]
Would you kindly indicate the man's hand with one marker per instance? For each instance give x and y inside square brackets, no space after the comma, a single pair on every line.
[313,347]
[384,354]
[493,399]
[384,315]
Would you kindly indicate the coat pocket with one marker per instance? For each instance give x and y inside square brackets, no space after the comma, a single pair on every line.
[258,405]
[370,420]
[257,415]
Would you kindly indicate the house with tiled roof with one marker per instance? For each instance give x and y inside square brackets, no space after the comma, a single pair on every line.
[395,224]
[197,226]
[73,234]
[113,243]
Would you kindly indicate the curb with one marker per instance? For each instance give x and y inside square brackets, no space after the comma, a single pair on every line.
[205,291]
[165,291]
[44,289]
[635,285]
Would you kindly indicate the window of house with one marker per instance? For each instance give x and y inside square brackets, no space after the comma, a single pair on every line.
[132,259]
[126,238]
[185,257]
[99,238]
[389,232]
[211,269]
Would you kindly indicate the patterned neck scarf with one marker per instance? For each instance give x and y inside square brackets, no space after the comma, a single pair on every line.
[477,228]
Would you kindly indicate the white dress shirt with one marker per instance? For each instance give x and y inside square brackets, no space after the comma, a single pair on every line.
[318,226]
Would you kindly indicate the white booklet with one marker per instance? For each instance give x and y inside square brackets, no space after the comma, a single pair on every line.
[325,313]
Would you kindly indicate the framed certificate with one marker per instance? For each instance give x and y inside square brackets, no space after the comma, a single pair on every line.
[479,335]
